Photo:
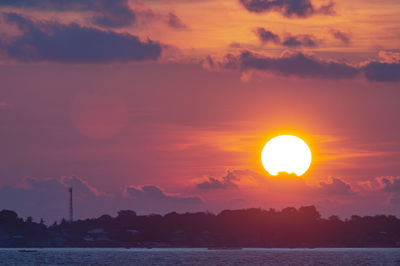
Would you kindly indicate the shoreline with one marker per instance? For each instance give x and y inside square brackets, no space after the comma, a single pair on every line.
[194,248]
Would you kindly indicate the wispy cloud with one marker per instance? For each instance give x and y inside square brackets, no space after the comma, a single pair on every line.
[341,36]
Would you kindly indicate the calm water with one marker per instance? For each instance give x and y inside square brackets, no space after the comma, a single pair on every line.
[104,256]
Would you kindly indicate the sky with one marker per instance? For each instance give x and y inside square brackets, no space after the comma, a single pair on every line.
[160,106]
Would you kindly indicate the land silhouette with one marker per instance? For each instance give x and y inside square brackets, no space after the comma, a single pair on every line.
[288,228]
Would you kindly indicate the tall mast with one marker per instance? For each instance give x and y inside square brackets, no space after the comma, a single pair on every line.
[71,217]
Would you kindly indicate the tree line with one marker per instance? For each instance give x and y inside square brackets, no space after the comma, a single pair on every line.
[290,228]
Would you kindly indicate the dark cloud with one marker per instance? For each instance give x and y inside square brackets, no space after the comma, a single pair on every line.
[154,193]
[288,8]
[391,184]
[223,183]
[336,187]
[175,22]
[59,185]
[300,41]
[339,35]
[305,66]
[52,41]
[295,64]
[48,198]
[291,41]
[382,71]
[107,13]
[266,36]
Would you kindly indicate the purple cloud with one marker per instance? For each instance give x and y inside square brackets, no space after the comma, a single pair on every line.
[48,198]
[113,14]
[225,182]
[339,35]
[266,36]
[391,184]
[295,64]
[288,8]
[175,22]
[300,41]
[154,193]
[382,71]
[336,187]
[52,41]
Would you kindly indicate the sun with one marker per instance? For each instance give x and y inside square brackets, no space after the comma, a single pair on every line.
[286,153]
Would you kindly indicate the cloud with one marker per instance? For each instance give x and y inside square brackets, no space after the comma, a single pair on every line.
[175,22]
[225,182]
[170,19]
[301,65]
[300,41]
[386,69]
[339,35]
[289,64]
[292,41]
[382,71]
[389,57]
[386,184]
[48,198]
[390,184]
[154,193]
[52,41]
[115,13]
[290,188]
[266,36]
[288,8]
[336,187]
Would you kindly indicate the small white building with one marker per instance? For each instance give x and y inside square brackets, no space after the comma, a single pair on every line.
[97,234]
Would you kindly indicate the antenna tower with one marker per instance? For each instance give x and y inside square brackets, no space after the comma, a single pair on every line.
[71,217]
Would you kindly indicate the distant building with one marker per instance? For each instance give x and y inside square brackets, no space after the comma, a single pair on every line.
[97,234]
[133,232]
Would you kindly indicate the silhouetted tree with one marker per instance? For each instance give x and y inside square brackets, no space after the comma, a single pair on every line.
[253,227]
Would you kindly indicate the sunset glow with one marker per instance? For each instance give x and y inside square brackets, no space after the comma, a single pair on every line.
[286,153]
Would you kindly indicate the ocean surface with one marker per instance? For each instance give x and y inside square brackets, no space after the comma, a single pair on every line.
[190,256]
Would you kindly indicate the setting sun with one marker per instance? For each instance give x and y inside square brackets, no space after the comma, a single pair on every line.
[286,153]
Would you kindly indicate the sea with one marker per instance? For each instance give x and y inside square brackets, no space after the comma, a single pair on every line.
[199,256]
